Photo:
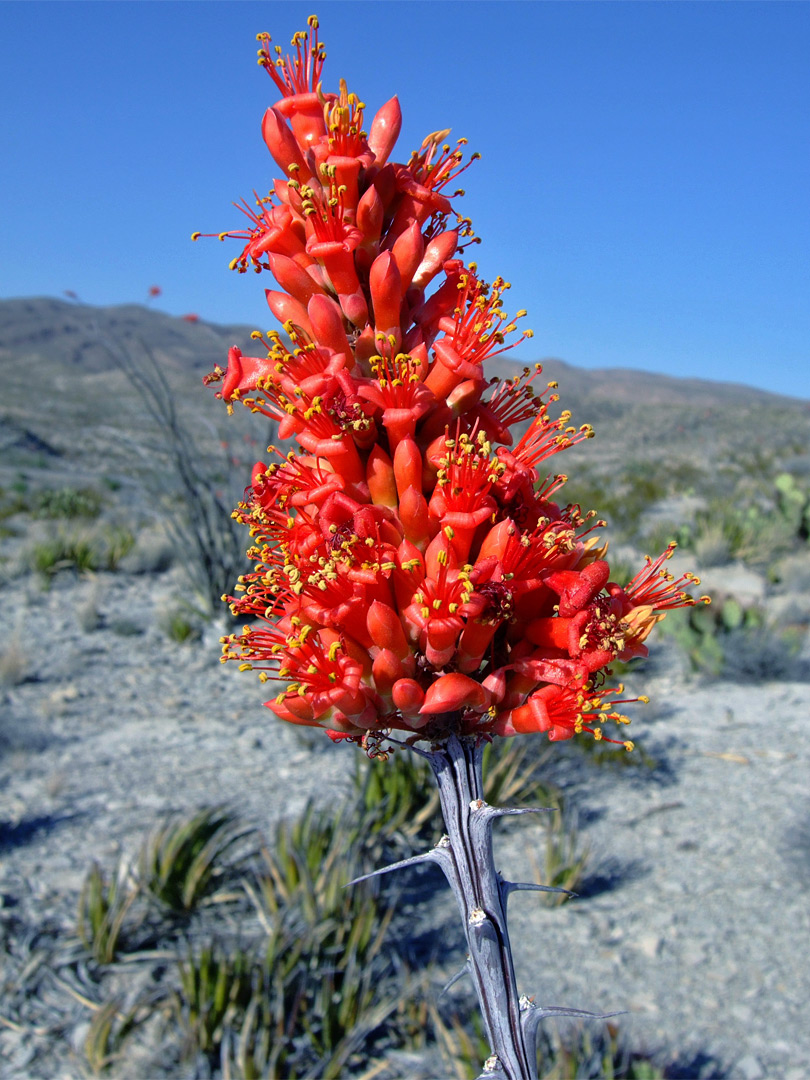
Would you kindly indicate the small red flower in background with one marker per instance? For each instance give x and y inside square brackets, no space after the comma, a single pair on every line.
[413,571]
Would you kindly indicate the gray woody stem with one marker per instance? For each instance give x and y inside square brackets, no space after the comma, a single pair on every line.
[465,856]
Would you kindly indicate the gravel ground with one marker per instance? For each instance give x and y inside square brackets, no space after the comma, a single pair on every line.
[694,917]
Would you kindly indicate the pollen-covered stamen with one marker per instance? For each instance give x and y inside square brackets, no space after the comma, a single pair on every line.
[514,401]
[307,365]
[479,324]
[435,610]
[466,475]
[327,215]
[586,711]
[547,437]
[656,588]
[344,123]
[328,596]
[397,389]
[348,413]
[435,172]
[399,377]
[299,74]
[254,236]
[342,538]
[540,548]
[565,711]
[302,363]
[298,482]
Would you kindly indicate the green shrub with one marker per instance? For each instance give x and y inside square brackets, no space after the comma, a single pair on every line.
[732,640]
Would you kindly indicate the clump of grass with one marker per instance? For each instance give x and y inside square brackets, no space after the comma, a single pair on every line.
[63,552]
[217,985]
[579,1053]
[104,905]
[80,552]
[565,858]
[11,503]
[117,542]
[67,502]
[178,625]
[324,965]
[107,1035]
[182,861]
[399,799]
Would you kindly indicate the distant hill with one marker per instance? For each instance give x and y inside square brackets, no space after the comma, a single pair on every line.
[58,374]
[67,334]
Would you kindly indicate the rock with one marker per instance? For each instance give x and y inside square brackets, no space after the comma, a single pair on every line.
[748,1068]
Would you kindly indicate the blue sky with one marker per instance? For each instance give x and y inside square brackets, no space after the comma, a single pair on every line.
[644,184]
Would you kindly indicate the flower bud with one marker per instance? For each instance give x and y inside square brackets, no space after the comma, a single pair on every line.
[407,466]
[408,696]
[408,249]
[287,309]
[327,326]
[380,478]
[438,251]
[385,129]
[452,692]
[282,145]
[386,292]
[293,278]
[385,629]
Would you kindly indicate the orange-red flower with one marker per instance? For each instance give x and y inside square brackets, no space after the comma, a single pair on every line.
[415,568]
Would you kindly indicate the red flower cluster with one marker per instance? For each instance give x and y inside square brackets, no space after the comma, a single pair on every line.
[413,571]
